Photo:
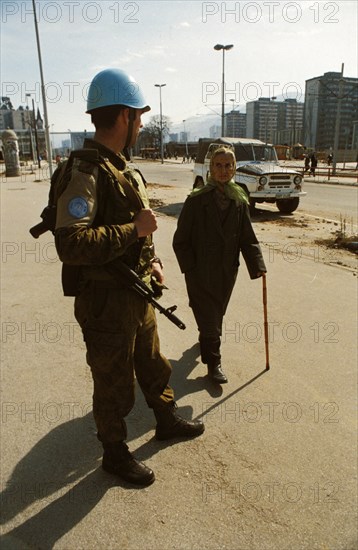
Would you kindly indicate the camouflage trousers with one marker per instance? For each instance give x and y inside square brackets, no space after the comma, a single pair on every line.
[120,331]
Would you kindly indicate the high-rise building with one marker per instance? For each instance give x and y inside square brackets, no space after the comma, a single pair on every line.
[261,119]
[235,124]
[322,97]
[289,122]
[274,121]
[215,131]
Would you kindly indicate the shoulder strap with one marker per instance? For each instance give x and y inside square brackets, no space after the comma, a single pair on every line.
[130,192]
[93,156]
[89,155]
[110,163]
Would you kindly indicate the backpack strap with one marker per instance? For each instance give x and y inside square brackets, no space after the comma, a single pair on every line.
[109,165]
[130,192]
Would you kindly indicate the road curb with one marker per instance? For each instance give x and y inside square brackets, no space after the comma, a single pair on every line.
[332,182]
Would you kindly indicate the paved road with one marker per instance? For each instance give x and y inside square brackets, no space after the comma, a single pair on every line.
[276,468]
[325,200]
[332,201]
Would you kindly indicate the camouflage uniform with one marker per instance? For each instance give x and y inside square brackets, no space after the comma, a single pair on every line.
[94,230]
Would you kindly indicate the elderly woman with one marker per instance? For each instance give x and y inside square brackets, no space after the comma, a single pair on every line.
[213,228]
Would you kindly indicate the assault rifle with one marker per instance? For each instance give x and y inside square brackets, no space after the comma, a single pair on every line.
[48,223]
[134,282]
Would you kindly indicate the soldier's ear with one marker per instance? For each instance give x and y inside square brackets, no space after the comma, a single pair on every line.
[124,116]
[121,120]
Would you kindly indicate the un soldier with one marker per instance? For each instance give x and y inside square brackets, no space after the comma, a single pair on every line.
[103,217]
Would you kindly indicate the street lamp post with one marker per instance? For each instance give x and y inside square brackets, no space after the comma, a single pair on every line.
[219,47]
[52,138]
[36,135]
[186,140]
[160,86]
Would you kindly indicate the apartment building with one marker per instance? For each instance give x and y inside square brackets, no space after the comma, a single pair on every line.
[274,121]
[324,95]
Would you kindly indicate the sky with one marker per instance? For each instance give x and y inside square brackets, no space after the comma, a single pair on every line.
[277,46]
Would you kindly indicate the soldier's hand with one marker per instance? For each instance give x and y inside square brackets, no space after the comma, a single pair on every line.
[157,272]
[145,222]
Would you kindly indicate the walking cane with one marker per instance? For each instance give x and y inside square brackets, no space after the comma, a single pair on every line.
[264,299]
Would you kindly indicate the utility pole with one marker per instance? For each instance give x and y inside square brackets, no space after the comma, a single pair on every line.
[160,86]
[47,126]
[186,140]
[36,135]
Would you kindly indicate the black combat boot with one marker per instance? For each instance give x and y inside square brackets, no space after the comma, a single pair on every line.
[171,425]
[216,373]
[119,461]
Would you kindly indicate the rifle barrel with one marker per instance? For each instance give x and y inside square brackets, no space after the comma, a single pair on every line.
[141,288]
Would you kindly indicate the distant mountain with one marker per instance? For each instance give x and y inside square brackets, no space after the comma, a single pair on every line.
[196,126]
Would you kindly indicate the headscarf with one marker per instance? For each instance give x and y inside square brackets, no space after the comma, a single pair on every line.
[231,189]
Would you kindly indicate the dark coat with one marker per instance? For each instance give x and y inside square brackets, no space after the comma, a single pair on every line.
[208,251]
[314,161]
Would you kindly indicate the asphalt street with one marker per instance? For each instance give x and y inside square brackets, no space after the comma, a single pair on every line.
[277,465]
[331,198]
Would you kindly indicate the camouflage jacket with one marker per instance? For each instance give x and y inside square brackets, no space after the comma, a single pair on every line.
[94,226]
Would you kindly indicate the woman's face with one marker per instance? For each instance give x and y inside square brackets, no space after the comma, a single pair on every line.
[222,167]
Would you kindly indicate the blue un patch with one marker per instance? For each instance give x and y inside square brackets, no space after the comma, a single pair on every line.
[78,207]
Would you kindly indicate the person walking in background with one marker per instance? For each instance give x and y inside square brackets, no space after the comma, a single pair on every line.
[307,164]
[314,162]
[214,227]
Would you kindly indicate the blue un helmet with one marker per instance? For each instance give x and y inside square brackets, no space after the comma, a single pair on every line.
[115,87]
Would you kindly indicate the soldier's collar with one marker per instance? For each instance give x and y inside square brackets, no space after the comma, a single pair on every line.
[117,160]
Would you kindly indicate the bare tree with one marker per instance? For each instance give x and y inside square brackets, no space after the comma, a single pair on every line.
[5,102]
[151,131]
